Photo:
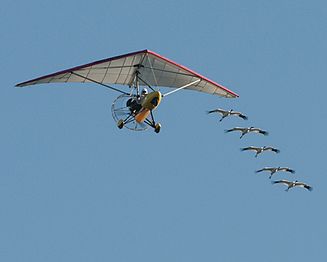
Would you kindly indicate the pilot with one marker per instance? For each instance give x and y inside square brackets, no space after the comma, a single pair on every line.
[144,93]
[135,105]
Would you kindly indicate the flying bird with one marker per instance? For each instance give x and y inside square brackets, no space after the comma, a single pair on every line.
[291,184]
[273,170]
[259,150]
[245,130]
[226,113]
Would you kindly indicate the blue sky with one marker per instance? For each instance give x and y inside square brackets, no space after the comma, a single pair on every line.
[73,187]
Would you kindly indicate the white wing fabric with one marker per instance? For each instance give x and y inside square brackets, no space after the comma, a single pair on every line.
[152,68]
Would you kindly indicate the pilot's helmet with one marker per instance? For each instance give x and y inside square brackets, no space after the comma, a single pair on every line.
[144,91]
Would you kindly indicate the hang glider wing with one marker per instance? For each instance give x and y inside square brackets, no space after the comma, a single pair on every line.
[153,69]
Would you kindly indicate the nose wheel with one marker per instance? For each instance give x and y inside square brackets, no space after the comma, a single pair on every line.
[157,128]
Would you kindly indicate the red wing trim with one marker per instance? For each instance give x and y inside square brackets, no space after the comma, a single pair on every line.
[126,55]
[81,67]
[192,72]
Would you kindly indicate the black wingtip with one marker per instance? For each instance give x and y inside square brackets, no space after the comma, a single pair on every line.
[309,188]
[244,117]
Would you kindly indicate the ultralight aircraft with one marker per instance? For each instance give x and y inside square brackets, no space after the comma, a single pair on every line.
[133,108]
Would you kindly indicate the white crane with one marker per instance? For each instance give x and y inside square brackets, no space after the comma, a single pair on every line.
[291,184]
[259,150]
[226,113]
[273,170]
[245,130]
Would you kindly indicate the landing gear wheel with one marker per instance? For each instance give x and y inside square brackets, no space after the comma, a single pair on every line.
[157,128]
[120,123]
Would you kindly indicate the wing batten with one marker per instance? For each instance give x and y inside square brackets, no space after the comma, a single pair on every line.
[155,69]
[228,92]
[77,68]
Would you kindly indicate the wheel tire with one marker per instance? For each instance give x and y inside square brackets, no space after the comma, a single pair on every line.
[120,123]
[157,128]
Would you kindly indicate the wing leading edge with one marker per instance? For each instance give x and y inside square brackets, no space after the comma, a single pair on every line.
[153,69]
